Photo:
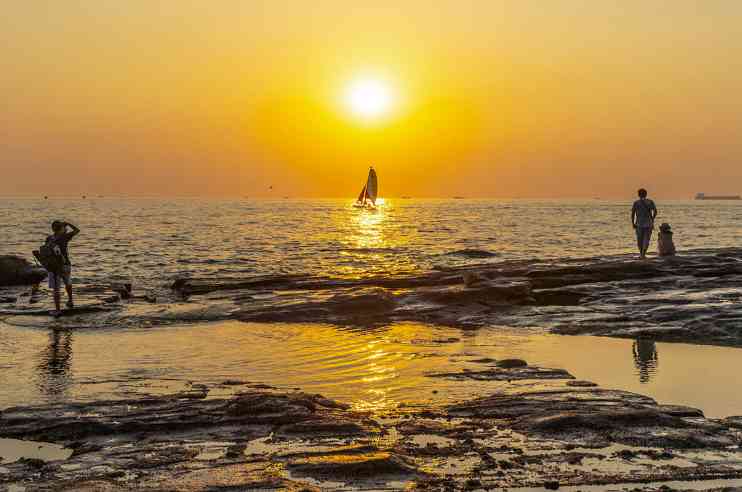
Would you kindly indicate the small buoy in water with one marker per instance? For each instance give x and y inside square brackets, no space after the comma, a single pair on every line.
[83,197]
[46,197]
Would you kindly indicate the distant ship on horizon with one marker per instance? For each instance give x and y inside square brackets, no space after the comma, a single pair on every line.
[704,196]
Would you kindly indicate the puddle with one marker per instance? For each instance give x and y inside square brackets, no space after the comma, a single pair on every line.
[14,449]
[374,369]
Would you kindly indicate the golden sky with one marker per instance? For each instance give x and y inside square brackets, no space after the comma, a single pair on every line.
[520,98]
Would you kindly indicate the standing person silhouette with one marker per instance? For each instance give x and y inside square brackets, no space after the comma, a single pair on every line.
[59,240]
[642,218]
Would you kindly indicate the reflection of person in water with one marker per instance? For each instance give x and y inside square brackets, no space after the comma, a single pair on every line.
[645,359]
[55,363]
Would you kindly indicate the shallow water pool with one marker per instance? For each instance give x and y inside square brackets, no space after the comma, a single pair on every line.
[371,368]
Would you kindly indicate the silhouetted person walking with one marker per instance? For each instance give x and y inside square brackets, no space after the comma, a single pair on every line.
[642,218]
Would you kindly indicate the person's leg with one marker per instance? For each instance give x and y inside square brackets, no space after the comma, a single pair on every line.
[57,299]
[54,286]
[647,238]
[67,277]
[639,239]
[68,288]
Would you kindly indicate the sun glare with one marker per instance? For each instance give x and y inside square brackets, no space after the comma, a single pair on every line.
[368,98]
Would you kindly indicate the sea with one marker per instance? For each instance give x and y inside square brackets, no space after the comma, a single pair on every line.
[152,242]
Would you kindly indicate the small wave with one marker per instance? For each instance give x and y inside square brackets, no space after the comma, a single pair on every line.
[370,250]
[472,253]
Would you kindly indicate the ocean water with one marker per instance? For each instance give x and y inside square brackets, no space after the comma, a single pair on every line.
[153,241]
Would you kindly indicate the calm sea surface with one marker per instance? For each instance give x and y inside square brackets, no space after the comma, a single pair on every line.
[154,241]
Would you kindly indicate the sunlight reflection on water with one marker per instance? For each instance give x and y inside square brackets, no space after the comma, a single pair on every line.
[153,241]
[371,369]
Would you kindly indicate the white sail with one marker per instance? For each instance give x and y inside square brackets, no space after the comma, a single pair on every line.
[372,186]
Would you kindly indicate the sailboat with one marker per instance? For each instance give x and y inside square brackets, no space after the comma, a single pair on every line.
[367,197]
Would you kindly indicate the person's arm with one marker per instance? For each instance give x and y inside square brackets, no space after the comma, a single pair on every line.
[74,232]
[653,211]
[633,216]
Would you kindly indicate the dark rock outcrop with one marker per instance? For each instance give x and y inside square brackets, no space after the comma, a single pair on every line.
[17,271]
[528,435]
[695,298]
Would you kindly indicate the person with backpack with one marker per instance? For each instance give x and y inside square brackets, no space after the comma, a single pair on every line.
[58,265]
[643,214]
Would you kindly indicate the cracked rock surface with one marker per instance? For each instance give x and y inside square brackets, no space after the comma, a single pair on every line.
[540,431]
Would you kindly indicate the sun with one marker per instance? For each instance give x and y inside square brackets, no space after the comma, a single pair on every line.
[369,98]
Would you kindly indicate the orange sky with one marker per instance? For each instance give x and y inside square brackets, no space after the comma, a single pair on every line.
[568,98]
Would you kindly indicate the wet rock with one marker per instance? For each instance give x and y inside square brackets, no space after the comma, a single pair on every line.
[472,253]
[515,373]
[601,420]
[357,306]
[692,298]
[680,411]
[233,382]
[369,301]
[286,408]
[446,340]
[158,438]
[528,435]
[345,466]
[18,271]
[599,416]
[123,290]
[510,291]
[511,363]
[473,483]
[235,451]
[332,428]
[472,279]
[581,384]
[194,286]
[32,463]
[558,297]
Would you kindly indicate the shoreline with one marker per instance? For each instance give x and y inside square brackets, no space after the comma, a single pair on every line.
[690,298]
[539,428]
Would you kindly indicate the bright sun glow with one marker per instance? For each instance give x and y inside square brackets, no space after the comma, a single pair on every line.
[369,98]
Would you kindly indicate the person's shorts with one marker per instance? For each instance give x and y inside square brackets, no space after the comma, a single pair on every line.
[56,280]
[643,235]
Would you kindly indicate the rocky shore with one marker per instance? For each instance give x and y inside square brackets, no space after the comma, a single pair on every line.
[544,429]
[18,271]
[541,428]
[691,298]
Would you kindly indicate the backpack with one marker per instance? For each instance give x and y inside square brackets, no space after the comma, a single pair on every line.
[50,257]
